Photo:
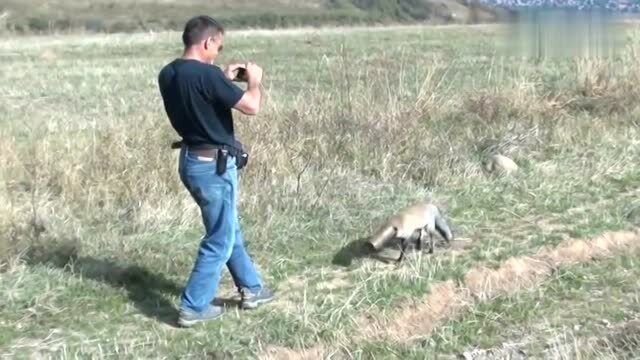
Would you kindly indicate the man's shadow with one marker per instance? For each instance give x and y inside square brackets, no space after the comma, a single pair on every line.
[148,291]
[360,249]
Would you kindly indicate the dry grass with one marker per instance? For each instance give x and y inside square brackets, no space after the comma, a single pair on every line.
[279,353]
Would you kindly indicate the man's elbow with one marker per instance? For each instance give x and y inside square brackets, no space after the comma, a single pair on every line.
[249,106]
[253,109]
[248,109]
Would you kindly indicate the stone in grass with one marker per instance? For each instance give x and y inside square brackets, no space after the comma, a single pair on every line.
[500,164]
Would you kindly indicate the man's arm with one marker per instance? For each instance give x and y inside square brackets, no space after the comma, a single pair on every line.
[249,103]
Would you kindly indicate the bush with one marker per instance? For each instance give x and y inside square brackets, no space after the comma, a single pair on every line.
[38,24]
[95,25]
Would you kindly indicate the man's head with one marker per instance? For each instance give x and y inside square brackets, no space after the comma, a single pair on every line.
[204,36]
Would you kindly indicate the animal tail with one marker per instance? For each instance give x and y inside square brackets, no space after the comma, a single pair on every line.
[443,228]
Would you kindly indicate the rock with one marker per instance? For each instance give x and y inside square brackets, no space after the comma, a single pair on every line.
[501,164]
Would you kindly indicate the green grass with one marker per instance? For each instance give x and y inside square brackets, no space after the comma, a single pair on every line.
[580,300]
[98,235]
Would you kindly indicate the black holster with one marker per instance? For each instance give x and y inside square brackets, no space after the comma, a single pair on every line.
[242,159]
[221,161]
[237,151]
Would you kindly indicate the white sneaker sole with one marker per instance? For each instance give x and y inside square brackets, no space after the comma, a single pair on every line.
[255,304]
[189,323]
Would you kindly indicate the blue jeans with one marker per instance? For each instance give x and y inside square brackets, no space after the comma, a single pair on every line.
[223,241]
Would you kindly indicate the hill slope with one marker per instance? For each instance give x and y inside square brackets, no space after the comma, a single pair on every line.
[39,16]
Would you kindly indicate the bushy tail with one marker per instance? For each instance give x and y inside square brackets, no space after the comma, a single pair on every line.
[443,228]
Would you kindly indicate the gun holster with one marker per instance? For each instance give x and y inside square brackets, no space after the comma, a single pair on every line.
[242,159]
[221,161]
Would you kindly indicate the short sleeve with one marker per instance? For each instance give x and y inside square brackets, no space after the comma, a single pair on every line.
[220,90]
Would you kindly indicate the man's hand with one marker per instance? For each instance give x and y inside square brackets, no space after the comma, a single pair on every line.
[231,71]
[254,73]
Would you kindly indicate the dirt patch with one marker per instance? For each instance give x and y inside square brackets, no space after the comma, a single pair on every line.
[506,351]
[413,320]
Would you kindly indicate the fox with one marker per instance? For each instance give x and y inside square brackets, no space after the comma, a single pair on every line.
[412,224]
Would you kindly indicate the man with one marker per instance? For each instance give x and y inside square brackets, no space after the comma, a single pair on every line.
[198,99]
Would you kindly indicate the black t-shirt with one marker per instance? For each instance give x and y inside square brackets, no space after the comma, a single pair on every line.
[198,99]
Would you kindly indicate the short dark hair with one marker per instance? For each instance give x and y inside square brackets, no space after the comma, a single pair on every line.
[200,27]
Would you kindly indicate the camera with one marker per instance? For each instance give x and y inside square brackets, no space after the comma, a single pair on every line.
[241,75]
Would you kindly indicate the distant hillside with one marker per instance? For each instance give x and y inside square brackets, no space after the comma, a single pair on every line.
[42,16]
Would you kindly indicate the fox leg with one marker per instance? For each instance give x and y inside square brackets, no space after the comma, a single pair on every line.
[403,246]
[417,236]
[430,242]
[426,230]
[419,239]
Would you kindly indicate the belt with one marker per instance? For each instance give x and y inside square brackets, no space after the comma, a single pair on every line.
[209,150]
[212,151]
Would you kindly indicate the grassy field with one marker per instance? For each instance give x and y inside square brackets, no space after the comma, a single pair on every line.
[64,16]
[97,235]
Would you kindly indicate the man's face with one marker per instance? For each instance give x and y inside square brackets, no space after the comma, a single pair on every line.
[213,46]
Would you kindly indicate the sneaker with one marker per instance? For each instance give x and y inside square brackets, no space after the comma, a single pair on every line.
[253,300]
[189,318]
